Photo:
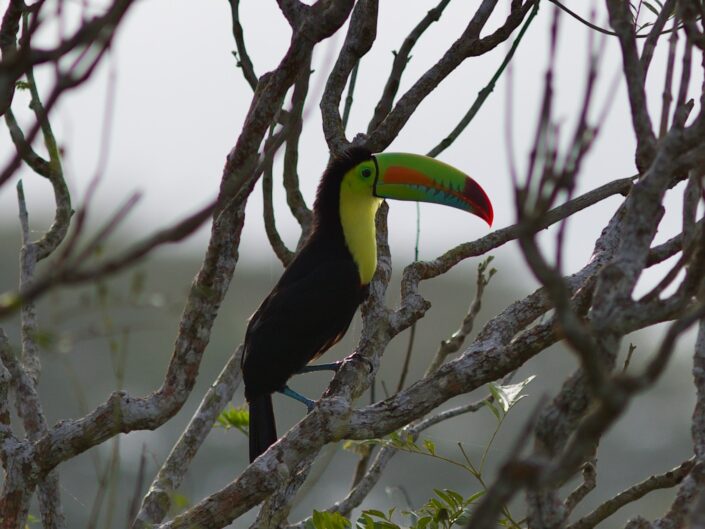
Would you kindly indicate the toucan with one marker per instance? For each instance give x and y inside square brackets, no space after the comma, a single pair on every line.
[311,306]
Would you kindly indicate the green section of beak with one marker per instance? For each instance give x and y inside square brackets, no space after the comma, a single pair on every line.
[403,176]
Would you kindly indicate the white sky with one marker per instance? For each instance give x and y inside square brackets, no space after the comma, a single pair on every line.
[180,102]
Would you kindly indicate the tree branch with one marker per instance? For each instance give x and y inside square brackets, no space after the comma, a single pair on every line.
[157,502]
[660,481]
[358,41]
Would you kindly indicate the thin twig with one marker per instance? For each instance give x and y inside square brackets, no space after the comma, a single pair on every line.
[243,59]
[598,28]
[659,481]
[294,198]
[667,97]
[486,91]
[469,44]
[656,31]
[634,76]
[401,59]
[349,97]
[455,342]
[275,241]
[588,485]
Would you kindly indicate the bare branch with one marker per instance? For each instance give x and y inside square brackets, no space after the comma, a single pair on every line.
[293,10]
[123,413]
[455,342]
[635,77]
[486,91]
[588,485]
[349,97]
[668,81]
[401,59]
[660,481]
[469,44]
[358,41]
[419,271]
[282,252]
[7,439]
[688,494]
[157,502]
[14,65]
[294,198]
[8,47]
[243,58]
[598,28]
[25,375]
[647,51]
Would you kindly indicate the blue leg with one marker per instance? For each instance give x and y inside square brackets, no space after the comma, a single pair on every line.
[335,366]
[297,396]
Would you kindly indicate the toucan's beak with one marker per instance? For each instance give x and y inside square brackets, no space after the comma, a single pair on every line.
[414,177]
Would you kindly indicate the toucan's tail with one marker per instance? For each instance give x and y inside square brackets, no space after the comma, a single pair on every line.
[263,431]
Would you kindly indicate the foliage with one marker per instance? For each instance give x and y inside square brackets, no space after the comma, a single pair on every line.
[447,507]
[234,417]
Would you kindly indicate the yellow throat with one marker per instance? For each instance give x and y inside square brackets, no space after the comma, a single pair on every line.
[357,215]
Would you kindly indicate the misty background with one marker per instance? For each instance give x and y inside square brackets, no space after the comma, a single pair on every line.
[163,112]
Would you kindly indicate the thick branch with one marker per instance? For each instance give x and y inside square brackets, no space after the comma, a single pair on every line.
[361,35]
[157,502]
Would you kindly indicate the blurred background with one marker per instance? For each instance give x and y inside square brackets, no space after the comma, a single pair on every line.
[166,108]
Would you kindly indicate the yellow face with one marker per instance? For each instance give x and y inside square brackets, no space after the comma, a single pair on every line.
[358,207]
[361,179]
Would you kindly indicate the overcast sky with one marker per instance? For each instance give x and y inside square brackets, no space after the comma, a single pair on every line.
[179,103]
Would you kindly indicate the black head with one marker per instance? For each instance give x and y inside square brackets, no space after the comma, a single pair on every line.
[326,206]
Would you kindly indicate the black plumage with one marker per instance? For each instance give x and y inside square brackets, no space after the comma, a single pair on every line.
[309,309]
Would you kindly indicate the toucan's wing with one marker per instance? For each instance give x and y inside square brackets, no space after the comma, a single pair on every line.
[304,315]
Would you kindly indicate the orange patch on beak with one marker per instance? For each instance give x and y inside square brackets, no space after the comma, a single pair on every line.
[405,175]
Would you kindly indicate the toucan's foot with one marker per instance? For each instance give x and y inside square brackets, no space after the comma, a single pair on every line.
[334,366]
[297,396]
[357,356]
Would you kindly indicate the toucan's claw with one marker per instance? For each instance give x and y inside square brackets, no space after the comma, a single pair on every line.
[333,366]
[310,404]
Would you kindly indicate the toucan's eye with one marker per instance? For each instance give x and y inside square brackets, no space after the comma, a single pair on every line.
[366,172]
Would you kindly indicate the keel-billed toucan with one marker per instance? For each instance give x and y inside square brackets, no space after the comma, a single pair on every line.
[311,306]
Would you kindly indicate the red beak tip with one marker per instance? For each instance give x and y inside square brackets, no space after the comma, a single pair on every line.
[489,216]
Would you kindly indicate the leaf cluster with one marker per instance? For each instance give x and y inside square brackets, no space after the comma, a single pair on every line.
[234,417]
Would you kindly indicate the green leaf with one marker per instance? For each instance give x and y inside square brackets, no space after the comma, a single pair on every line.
[456,498]
[430,446]
[383,524]
[233,417]
[422,522]
[329,520]
[443,495]
[474,497]
[364,522]
[442,515]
